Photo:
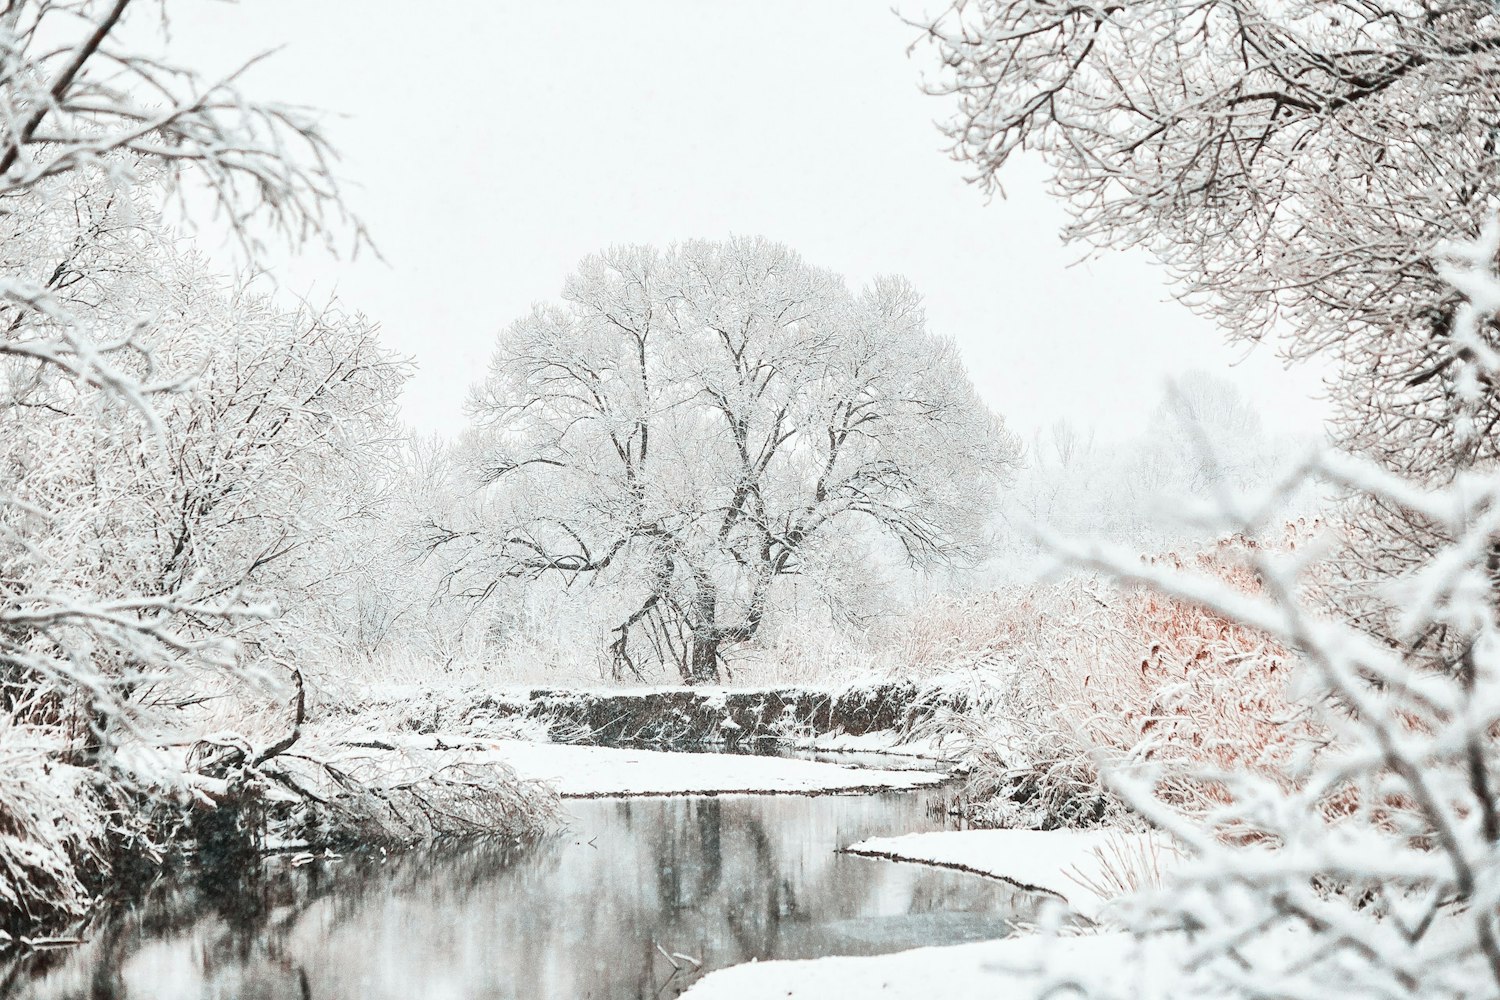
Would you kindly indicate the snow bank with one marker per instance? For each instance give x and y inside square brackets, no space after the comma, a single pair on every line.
[589,772]
[982,971]
[885,741]
[1080,866]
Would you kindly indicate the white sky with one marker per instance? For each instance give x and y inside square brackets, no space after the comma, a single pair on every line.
[492,145]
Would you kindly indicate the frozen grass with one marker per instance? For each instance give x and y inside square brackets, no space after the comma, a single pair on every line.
[1125,863]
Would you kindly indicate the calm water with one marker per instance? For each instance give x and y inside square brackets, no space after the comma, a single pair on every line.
[587,914]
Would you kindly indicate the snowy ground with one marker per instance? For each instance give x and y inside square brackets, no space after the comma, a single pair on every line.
[597,772]
[1077,865]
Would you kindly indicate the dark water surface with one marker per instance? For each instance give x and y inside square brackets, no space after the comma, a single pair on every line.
[588,914]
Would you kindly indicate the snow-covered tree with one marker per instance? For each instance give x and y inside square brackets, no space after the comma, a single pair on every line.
[92,129]
[144,445]
[1203,439]
[77,101]
[237,488]
[689,426]
[1295,166]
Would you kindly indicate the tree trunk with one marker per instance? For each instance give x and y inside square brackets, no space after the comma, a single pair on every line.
[703,656]
[703,659]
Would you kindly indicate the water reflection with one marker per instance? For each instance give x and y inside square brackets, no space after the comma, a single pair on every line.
[598,912]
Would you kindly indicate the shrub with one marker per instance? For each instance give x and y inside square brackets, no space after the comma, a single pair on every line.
[1076,676]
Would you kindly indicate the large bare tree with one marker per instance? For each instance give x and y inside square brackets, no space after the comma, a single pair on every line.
[690,425]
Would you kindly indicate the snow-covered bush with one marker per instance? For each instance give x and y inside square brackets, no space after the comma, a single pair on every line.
[55,826]
[1367,864]
[1068,678]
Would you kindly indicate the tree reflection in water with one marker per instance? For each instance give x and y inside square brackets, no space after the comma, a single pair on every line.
[598,911]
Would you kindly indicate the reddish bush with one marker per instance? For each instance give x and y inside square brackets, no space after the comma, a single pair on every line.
[1091,673]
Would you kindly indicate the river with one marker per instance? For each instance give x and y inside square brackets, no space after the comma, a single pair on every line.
[620,905]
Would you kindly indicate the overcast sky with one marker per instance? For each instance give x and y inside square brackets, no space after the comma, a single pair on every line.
[490,146]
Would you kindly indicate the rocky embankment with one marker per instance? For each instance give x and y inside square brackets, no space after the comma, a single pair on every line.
[675,717]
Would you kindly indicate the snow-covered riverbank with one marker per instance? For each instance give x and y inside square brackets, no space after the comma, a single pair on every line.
[1016,966]
[595,772]
[1083,869]
[576,771]
[869,714]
